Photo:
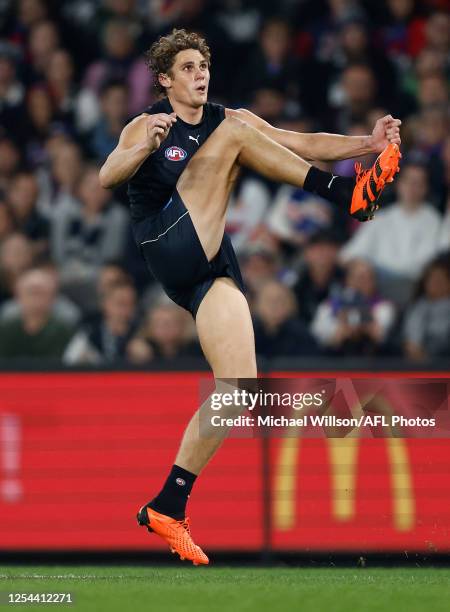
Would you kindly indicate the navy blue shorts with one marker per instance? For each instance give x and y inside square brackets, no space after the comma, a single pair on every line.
[174,255]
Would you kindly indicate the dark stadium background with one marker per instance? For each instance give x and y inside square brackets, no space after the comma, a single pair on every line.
[100,372]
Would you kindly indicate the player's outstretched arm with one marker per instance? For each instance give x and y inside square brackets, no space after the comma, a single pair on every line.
[139,139]
[327,147]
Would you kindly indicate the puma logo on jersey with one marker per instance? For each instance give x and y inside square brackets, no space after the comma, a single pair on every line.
[175,154]
[331,182]
[195,139]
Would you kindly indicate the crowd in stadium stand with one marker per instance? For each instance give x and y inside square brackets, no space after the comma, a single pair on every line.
[72,283]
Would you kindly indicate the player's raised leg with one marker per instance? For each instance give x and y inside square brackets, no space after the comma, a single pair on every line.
[206,181]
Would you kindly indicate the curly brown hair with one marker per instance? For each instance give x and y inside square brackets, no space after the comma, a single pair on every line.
[161,55]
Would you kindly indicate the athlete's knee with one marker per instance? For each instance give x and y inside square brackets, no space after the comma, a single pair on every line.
[235,127]
[233,388]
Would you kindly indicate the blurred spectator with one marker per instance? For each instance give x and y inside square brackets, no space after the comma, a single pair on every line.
[437,31]
[76,107]
[7,221]
[22,196]
[105,340]
[246,210]
[278,330]
[121,8]
[403,34]
[426,328]
[110,274]
[12,94]
[35,332]
[28,13]
[105,136]
[429,63]
[319,275]
[86,235]
[16,256]
[428,131]
[130,11]
[296,215]
[355,97]
[241,22]
[62,308]
[166,334]
[326,17]
[9,162]
[356,48]
[40,114]
[356,319]
[44,39]
[268,104]
[119,62]
[259,264]
[433,92]
[59,184]
[402,238]
[272,65]
[59,74]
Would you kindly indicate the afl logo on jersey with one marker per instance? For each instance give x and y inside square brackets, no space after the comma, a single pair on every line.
[175,154]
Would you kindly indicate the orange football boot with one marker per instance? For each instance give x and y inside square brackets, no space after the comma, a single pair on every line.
[177,534]
[370,183]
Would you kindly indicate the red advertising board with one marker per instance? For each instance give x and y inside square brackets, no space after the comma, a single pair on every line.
[80,452]
[372,494]
[84,451]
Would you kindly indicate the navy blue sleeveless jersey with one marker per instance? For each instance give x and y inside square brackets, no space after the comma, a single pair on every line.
[153,184]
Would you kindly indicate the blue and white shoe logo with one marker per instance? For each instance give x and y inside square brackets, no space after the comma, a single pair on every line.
[175,154]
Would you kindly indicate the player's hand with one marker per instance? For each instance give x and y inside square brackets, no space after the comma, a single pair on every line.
[158,127]
[386,130]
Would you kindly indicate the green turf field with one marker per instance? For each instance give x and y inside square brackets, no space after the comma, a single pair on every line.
[241,589]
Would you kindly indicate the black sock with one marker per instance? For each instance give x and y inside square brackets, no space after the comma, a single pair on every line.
[172,498]
[337,189]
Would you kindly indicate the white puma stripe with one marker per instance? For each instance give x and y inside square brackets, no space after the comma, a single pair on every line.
[332,179]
